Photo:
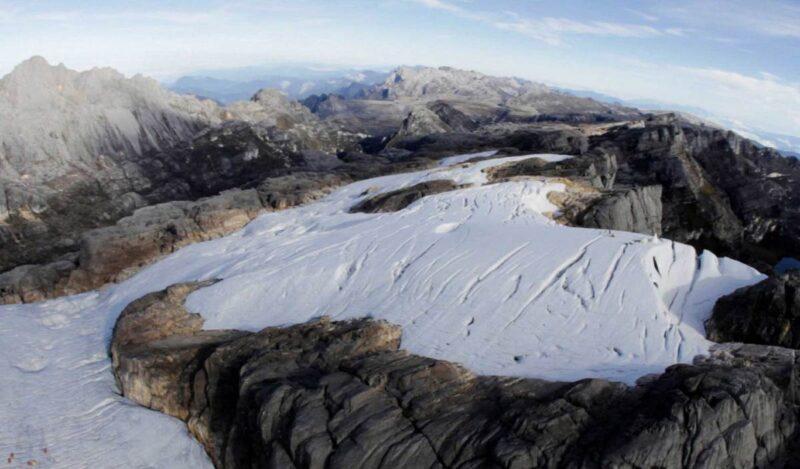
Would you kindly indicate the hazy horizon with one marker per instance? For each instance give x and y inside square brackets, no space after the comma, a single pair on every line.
[736,61]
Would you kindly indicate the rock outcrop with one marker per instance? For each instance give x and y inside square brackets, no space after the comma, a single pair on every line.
[637,210]
[721,192]
[113,253]
[342,394]
[765,313]
[81,150]
[597,170]
[591,199]
[402,198]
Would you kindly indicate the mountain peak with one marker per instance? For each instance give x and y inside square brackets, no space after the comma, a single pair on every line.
[418,82]
[35,67]
[37,61]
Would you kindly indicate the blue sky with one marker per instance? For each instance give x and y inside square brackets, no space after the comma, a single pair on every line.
[739,59]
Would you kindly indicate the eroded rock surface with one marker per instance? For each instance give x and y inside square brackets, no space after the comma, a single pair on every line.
[342,394]
[598,170]
[113,253]
[765,313]
[399,199]
[637,210]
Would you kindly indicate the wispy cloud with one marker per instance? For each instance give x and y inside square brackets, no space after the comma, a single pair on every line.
[159,16]
[761,101]
[440,5]
[767,87]
[764,17]
[643,15]
[552,30]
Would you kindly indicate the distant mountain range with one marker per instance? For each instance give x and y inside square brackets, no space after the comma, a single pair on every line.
[295,81]
[299,82]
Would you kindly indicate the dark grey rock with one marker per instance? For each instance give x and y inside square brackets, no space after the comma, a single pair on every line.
[402,198]
[721,192]
[637,210]
[597,169]
[765,313]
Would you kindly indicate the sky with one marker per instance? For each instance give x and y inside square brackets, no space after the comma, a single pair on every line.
[737,59]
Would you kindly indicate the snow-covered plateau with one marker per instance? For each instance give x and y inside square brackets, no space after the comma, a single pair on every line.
[480,276]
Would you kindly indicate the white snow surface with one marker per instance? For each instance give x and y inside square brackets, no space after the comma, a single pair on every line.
[478,276]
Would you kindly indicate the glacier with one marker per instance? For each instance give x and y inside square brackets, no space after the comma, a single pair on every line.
[481,276]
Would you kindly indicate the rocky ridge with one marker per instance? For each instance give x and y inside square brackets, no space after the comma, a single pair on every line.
[113,253]
[80,150]
[718,191]
[425,84]
[343,394]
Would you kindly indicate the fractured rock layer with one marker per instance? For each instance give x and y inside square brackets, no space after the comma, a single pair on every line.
[765,313]
[342,394]
[402,198]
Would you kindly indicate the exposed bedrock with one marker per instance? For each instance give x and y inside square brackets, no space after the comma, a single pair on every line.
[401,198]
[765,313]
[113,253]
[598,169]
[637,210]
[343,394]
[517,139]
[590,199]
[720,191]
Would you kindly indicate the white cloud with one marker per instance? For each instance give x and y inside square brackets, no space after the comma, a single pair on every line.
[760,102]
[643,15]
[764,17]
[440,5]
[551,30]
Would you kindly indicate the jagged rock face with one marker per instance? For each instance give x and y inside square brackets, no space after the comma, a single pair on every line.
[720,192]
[599,170]
[452,117]
[534,139]
[370,117]
[271,107]
[435,83]
[765,313]
[71,145]
[421,121]
[461,101]
[79,151]
[111,254]
[591,200]
[637,210]
[55,122]
[342,394]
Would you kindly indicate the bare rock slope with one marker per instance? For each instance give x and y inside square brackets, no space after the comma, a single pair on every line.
[765,313]
[343,394]
[80,150]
